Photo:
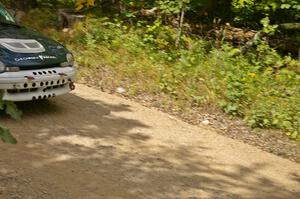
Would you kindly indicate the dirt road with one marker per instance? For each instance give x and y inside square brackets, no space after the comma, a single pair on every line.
[91,145]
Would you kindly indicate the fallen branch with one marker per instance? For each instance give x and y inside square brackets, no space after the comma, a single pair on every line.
[290,26]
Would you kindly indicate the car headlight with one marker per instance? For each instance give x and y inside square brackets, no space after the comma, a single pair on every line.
[2,67]
[70,59]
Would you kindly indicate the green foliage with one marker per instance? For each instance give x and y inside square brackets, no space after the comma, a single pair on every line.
[6,136]
[161,37]
[260,85]
[244,12]
[10,109]
[267,27]
[171,7]
[249,11]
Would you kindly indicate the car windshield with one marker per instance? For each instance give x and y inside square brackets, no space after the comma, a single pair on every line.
[5,16]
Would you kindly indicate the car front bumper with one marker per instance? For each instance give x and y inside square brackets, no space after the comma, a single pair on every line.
[36,84]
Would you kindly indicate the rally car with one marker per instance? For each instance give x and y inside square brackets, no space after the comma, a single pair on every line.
[32,66]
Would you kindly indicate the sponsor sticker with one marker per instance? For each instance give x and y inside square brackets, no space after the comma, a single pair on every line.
[40,57]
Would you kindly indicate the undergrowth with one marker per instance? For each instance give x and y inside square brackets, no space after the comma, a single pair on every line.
[258,84]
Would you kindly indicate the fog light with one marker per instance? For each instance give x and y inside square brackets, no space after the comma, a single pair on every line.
[12,69]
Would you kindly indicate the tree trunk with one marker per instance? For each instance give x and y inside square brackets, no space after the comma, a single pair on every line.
[179,30]
[68,17]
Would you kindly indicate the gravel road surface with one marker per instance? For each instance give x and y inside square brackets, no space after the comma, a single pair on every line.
[92,145]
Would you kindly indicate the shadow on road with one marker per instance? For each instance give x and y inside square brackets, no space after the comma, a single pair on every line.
[77,148]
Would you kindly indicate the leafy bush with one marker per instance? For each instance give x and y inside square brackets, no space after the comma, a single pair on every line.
[10,109]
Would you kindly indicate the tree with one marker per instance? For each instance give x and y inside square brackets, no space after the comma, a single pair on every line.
[278,11]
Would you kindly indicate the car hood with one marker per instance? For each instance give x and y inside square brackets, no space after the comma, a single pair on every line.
[53,54]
